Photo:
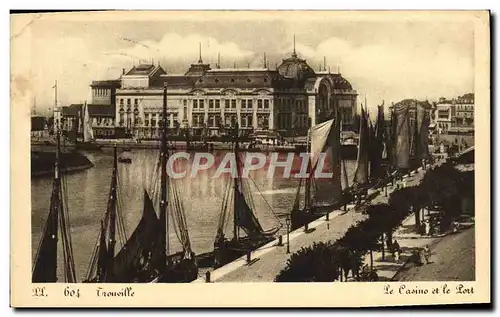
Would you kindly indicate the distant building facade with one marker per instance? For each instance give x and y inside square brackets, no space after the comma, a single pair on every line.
[455,115]
[102,111]
[207,100]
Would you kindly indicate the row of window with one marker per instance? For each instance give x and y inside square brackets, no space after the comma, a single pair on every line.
[228,104]
[129,101]
[286,121]
[289,105]
[101,92]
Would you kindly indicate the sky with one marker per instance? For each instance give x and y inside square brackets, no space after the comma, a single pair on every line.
[384,59]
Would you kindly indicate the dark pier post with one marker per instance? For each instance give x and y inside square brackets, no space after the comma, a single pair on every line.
[288,234]
[306,227]
[280,241]
[249,256]
[207,277]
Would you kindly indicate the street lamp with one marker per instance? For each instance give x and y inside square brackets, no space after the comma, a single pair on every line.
[288,234]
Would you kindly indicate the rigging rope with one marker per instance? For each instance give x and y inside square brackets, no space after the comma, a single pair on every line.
[93,258]
[265,200]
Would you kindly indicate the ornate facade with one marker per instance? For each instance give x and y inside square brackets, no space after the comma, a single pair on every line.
[207,100]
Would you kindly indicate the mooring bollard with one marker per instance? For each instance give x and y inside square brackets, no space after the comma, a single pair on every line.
[207,277]
[327,217]
[306,227]
[249,256]
[280,241]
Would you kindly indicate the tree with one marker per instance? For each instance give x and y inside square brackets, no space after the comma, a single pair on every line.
[361,238]
[386,219]
[317,263]
[442,187]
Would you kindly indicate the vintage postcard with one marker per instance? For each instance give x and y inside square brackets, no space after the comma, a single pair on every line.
[246,158]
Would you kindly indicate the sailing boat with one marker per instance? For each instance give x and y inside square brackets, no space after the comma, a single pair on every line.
[57,223]
[145,256]
[325,139]
[361,175]
[238,195]
[89,142]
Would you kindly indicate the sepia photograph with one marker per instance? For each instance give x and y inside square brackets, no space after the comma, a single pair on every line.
[225,148]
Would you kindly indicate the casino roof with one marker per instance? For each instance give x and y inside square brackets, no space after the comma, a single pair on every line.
[114,83]
[142,69]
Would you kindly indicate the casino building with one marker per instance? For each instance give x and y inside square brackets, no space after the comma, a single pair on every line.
[207,100]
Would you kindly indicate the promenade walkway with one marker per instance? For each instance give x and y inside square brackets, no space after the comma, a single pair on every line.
[269,260]
[409,241]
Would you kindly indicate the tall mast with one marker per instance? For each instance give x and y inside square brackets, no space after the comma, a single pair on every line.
[163,203]
[307,200]
[58,141]
[235,203]
[56,194]
[112,214]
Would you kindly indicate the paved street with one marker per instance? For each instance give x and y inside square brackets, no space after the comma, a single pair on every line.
[453,259]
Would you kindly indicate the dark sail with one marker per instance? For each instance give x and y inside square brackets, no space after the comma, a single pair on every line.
[423,121]
[377,145]
[361,173]
[245,217]
[334,143]
[45,268]
[402,135]
[134,258]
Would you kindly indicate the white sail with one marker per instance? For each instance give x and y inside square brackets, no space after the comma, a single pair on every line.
[88,134]
[319,138]
[325,139]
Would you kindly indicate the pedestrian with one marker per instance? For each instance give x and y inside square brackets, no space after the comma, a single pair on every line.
[396,250]
[427,254]
[427,227]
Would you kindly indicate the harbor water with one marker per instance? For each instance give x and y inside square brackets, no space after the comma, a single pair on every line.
[86,194]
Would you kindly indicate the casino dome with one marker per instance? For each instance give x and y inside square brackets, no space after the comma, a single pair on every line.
[295,68]
[340,82]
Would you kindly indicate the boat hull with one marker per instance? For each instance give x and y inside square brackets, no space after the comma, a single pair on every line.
[228,251]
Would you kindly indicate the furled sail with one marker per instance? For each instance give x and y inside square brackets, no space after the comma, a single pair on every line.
[423,121]
[361,173]
[402,136]
[377,145]
[178,216]
[88,134]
